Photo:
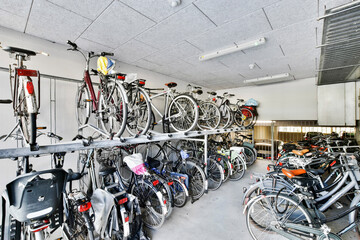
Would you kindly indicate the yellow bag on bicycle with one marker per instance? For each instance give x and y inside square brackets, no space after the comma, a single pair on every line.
[105,65]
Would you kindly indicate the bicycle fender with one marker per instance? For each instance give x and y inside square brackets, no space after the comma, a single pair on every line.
[355,201]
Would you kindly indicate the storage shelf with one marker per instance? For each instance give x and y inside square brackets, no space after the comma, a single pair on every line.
[116,142]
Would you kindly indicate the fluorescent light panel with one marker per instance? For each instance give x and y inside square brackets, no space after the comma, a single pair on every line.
[269,79]
[233,49]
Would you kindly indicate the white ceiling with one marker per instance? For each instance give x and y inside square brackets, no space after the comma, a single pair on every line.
[153,35]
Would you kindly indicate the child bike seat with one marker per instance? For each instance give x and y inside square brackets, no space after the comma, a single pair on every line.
[36,195]
[300,153]
[292,173]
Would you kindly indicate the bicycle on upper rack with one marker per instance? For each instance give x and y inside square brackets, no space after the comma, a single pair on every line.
[181,111]
[110,104]
[38,202]
[25,103]
[245,115]
[209,113]
[227,116]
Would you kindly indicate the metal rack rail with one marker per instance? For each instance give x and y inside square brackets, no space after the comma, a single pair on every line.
[116,142]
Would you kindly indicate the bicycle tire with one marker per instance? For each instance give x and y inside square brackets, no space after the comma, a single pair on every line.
[139,117]
[226,116]
[83,105]
[250,154]
[24,117]
[179,192]
[178,112]
[262,206]
[215,174]
[197,179]
[209,116]
[113,109]
[238,169]
[243,117]
[151,204]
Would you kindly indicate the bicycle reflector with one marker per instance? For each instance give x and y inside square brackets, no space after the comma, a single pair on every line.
[120,77]
[122,201]
[27,72]
[126,219]
[333,163]
[141,83]
[170,183]
[30,87]
[84,207]
[156,182]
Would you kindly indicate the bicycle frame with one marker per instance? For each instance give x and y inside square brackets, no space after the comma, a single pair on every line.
[168,98]
[90,87]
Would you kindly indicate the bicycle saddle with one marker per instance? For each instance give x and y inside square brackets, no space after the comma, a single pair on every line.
[212,93]
[171,84]
[292,173]
[305,181]
[106,170]
[316,171]
[19,50]
[300,153]
[198,91]
[36,195]
[240,99]
[153,163]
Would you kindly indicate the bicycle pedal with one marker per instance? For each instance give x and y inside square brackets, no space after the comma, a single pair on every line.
[111,186]
[338,205]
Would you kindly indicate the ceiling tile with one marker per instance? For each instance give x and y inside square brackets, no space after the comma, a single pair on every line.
[133,50]
[92,46]
[117,25]
[328,4]
[182,76]
[146,64]
[176,28]
[14,13]
[155,9]
[183,50]
[54,23]
[231,9]
[288,12]
[241,29]
[87,8]
[162,59]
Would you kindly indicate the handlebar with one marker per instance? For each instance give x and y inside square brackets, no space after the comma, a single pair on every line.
[106,54]
[73,45]
[72,176]
[5,101]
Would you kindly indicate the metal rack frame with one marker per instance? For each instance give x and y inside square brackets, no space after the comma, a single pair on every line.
[116,142]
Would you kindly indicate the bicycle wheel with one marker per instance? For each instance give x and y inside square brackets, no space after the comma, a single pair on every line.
[112,109]
[197,179]
[139,111]
[250,155]
[83,105]
[27,120]
[151,202]
[215,174]
[165,190]
[267,212]
[209,116]
[183,113]
[179,192]
[243,117]
[225,112]
[238,167]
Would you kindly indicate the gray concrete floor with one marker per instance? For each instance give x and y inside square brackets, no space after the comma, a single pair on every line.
[218,214]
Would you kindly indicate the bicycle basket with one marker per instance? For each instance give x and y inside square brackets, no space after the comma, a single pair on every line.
[136,163]
[36,195]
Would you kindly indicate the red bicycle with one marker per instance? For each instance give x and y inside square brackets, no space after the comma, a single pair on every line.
[110,104]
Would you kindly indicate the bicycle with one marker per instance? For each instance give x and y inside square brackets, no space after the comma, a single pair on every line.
[181,112]
[227,116]
[245,115]
[209,113]
[110,104]
[41,203]
[24,101]
[302,197]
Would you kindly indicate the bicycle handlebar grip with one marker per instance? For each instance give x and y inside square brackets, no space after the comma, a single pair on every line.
[231,95]
[107,54]
[5,101]
[72,44]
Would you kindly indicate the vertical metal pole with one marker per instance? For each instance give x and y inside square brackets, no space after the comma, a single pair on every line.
[51,110]
[272,140]
[205,160]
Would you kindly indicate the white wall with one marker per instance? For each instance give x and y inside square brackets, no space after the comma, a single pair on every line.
[60,63]
[293,100]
